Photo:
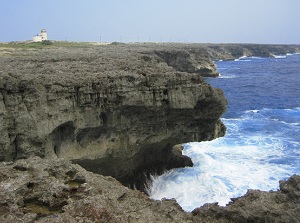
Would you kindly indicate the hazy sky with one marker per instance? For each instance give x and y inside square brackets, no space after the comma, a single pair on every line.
[214,21]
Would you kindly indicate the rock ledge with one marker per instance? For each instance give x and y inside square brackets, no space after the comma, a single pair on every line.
[55,190]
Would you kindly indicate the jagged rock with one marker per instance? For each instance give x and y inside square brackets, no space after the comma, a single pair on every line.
[191,61]
[43,190]
[234,51]
[54,190]
[116,110]
[259,206]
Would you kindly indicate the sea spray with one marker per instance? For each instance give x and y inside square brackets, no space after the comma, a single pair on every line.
[224,168]
[262,144]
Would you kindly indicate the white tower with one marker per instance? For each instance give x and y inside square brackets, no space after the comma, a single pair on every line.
[44,34]
[40,37]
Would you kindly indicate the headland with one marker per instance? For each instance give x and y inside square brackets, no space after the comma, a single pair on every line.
[119,110]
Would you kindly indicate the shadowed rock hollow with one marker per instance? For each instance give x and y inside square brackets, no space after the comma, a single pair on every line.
[115,110]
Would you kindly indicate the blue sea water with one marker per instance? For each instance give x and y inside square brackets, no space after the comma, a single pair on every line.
[262,143]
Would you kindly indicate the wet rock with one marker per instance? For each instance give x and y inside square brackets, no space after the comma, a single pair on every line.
[259,206]
[55,190]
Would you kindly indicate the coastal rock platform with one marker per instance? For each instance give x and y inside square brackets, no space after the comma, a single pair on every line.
[55,190]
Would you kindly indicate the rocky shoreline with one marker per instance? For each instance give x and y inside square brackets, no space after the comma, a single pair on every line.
[116,110]
[55,190]
[122,111]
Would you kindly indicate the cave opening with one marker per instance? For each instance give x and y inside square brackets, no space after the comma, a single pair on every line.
[103,118]
[61,134]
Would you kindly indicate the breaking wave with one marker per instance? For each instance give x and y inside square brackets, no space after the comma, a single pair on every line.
[262,143]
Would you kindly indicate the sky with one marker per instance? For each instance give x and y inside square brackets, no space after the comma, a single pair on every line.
[195,21]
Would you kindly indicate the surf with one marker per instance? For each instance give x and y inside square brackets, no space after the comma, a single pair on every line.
[227,167]
[262,143]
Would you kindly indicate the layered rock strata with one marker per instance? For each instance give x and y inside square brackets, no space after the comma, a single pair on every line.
[115,110]
[79,104]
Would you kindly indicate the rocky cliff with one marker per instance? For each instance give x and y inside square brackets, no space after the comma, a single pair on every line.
[54,190]
[48,190]
[116,110]
[259,206]
[234,51]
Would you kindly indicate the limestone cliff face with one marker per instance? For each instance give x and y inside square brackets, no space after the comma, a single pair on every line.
[193,60]
[116,110]
[234,51]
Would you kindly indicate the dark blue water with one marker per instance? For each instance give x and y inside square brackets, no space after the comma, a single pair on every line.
[259,83]
[262,143]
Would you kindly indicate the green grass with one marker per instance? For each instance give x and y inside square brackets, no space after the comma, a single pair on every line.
[41,45]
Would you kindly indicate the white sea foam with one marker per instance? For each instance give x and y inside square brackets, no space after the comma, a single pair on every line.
[243,59]
[227,167]
[240,58]
[280,56]
[221,172]
[260,148]
[252,111]
[227,76]
[257,57]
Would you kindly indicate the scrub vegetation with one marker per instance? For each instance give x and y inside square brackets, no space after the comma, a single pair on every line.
[43,44]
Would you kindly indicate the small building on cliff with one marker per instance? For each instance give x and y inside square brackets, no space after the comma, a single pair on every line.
[40,37]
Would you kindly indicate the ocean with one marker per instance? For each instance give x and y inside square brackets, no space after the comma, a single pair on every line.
[262,143]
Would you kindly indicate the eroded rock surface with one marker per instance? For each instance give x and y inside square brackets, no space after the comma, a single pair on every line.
[115,110]
[42,190]
[118,111]
[259,206]
[54,190]
[234,51]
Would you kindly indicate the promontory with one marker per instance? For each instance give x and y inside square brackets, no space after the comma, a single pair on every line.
[120,111]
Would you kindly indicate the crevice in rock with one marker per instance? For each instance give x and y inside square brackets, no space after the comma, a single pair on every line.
[103,117]
[16,148]
[60,134]
[165,92]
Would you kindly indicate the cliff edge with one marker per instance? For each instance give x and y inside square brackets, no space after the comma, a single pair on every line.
[235,51]
[117,110]
[54,190]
